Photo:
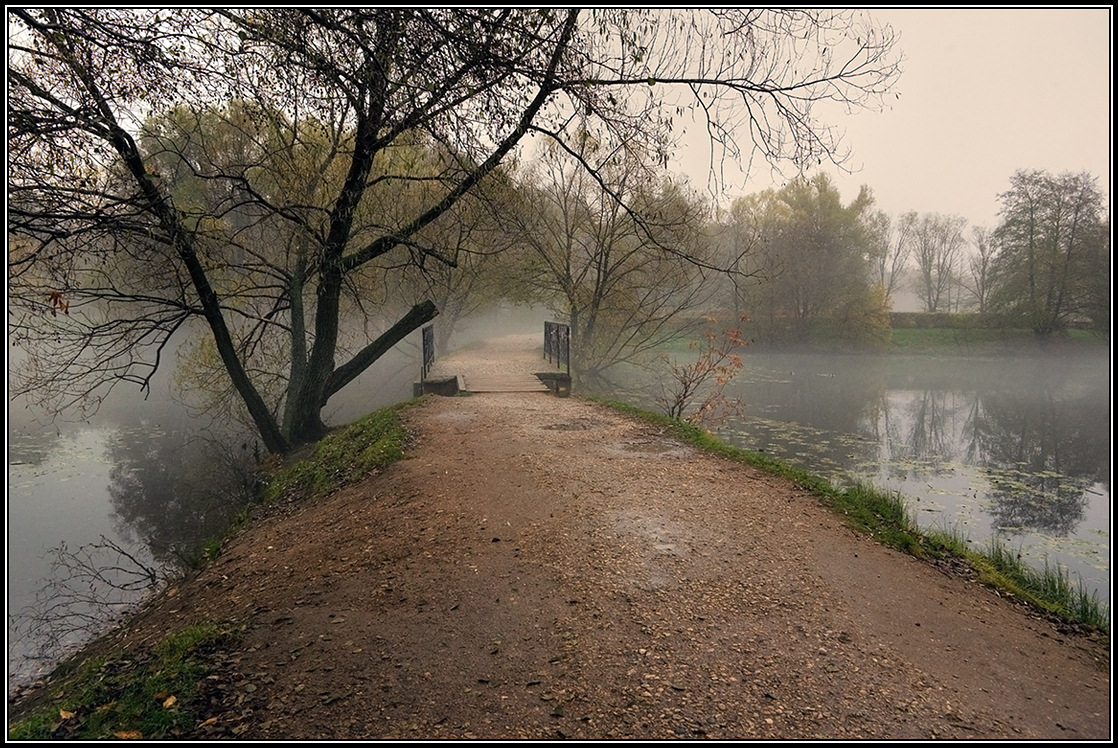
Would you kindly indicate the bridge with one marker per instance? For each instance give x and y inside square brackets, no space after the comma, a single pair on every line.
[510,363]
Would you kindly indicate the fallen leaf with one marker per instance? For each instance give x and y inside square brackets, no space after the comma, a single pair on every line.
[129,735]
[65,714]
[169,702]
[209,722]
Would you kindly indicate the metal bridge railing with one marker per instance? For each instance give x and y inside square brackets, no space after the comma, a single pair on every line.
[557,344]
[428,350]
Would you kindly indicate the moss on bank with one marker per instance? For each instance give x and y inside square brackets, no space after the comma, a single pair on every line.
[344,456]
[884,516]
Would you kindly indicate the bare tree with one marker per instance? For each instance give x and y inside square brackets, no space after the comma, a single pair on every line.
[938,245]
[617,256]
[890,244]
[980,265]
[108,262]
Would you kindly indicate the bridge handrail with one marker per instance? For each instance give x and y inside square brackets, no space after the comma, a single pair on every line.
[428,350]
[557,344]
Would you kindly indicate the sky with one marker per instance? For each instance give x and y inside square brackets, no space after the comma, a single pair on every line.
[983,93]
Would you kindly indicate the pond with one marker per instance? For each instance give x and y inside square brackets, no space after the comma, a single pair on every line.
[98,516]
[100,510]
[1015,447]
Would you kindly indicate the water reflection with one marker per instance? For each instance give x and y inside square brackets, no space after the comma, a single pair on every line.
[1027,488]
[98,516]
[172,490]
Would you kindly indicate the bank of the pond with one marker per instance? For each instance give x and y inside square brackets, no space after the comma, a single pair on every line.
[997,435]
[539,568]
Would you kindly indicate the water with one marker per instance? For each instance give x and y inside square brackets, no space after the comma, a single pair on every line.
[98,516]
[57,490]
[1016,448]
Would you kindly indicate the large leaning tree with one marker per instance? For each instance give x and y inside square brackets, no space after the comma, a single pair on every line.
[110,253]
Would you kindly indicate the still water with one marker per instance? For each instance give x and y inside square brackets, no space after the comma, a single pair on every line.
[98,515]
[1012,447]
[99,511]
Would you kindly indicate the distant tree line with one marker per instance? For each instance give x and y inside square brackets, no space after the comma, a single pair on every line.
[820,270]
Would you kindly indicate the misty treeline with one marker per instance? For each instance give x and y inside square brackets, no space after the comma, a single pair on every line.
[296,190]
[816,269]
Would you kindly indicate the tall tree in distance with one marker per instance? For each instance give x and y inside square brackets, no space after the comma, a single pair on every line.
[1053,244]
[937,246]
[890,243]
[979,269]
[813,272]
[470,84]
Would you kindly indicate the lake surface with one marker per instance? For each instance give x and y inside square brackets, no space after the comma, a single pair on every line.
[1011,447]
[97,516]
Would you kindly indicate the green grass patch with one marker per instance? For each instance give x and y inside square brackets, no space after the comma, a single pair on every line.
[1049,588]
[344,456]
[149,696]
[885,516]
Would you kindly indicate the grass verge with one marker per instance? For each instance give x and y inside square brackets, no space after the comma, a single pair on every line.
[992,341]
[884,516]
[344,456]
[122,696]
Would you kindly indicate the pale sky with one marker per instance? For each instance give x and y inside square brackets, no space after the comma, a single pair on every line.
[983,93]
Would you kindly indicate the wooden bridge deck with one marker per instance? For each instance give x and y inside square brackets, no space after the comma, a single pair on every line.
[504,364]
[504,383]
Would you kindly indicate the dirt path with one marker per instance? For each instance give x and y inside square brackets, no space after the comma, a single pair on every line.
[542,567]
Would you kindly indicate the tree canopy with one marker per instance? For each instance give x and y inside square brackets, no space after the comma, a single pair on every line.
[812,264]
[145,195]
[1052,261]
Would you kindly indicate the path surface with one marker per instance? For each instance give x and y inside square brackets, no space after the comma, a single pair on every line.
[542,567]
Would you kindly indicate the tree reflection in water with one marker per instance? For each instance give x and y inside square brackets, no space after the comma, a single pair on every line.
[172,490]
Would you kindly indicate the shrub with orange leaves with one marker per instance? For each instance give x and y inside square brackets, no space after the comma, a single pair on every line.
[695,392]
